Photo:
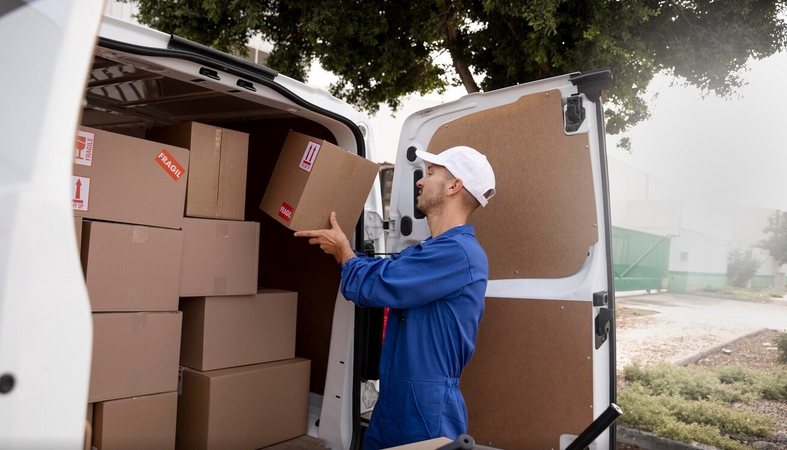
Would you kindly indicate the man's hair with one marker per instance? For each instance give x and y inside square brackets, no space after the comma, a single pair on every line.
[468,201]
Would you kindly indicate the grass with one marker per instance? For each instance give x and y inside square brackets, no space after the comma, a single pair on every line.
[758,295]
[694,403]
[623,312]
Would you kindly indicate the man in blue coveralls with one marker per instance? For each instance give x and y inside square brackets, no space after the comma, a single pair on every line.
[435,292]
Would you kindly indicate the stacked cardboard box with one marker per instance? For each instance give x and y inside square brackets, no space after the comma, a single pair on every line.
[171,270]
[241,385]
[133,191]
[217,170]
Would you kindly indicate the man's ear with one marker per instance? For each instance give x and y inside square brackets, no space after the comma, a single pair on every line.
[456,186]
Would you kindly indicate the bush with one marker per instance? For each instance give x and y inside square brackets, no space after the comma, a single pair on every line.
[781,344]
[741,268]
[694,403]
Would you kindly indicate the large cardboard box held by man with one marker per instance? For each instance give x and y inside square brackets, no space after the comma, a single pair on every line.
[243,407]
[238,330]
[131,267]
[146,422]
[220,257]
[312,178]
[217,168]
[134,354]
[124,179]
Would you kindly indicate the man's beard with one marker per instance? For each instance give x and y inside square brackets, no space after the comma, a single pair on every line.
[429,204]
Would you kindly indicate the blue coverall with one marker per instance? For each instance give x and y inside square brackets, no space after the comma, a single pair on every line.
[435,292]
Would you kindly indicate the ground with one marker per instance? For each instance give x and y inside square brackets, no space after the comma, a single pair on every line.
[647,336]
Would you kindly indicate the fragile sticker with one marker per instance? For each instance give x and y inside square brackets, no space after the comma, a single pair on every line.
[83,149]
[170,164]
[285,212]
[80,190]
[309,155]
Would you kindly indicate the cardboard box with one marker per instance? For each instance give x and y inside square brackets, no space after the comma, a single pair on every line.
[131,267]
[217,168]
[243,407]
[220,257]
[431,444]
[146,422]
[78,231]
[222,332]
[312,178]
[134,354]
[125,179]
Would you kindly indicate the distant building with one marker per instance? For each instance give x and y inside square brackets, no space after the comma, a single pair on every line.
[702,232]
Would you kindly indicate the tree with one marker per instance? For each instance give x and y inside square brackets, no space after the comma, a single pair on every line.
[776,242]
[741,268]
[382,50]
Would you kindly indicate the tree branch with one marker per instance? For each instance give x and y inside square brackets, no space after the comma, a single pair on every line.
[682,12]
[453,43]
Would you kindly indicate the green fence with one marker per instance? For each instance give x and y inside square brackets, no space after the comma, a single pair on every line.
[641,260]
[762,281]
[691,281]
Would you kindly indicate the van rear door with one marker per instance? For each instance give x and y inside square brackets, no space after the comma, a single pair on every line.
[45,322]
[544,363]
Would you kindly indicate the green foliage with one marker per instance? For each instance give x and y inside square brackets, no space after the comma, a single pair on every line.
[781,344]
[386,49]
[741,268]
[776,242]
[694,404]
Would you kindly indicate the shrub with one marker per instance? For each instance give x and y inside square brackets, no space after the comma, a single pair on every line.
[781,344]
[741,268]
[694,403]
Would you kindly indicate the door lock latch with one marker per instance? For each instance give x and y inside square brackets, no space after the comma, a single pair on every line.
[603,325]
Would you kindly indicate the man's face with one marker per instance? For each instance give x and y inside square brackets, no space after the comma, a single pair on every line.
[432,188]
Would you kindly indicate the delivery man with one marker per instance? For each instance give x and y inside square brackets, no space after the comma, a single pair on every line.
[435,292]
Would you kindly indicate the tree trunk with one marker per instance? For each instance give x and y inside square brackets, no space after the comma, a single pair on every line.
[454,45]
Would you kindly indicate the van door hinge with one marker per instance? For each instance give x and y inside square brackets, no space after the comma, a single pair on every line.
[575,113]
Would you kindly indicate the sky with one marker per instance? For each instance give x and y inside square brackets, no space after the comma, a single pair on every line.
[728,150]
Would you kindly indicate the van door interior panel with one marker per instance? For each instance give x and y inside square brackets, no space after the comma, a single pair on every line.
[550,236]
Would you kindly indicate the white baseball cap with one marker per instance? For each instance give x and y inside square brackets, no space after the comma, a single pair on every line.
[468,165]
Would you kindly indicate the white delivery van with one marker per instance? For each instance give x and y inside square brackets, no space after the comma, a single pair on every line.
[544,365]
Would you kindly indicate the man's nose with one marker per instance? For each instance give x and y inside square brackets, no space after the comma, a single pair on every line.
[420,183]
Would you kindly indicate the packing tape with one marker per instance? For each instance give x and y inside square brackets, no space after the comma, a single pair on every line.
[217,151]
[140,235]
[220,285]
[140,322]
[222,229]
[217,141]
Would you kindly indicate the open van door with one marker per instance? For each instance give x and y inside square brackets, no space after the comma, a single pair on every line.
[544,362]
[45,326]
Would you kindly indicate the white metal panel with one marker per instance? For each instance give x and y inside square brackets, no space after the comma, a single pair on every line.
[45,321]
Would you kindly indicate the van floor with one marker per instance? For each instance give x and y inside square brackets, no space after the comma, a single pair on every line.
[304,442]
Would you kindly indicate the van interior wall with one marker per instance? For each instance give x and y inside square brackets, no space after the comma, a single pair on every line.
[286,262]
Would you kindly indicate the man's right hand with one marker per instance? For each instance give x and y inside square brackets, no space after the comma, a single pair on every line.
[332,241]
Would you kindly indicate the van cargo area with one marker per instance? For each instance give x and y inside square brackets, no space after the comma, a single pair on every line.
[124,98]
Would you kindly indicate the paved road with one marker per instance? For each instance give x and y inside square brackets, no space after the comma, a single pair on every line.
[722,311]
[688,324]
